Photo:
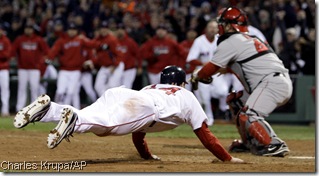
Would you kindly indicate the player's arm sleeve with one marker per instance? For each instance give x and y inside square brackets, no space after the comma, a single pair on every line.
[210,141]
[44,47]
[141,145]
[54,51]
[7,51]
[146,51]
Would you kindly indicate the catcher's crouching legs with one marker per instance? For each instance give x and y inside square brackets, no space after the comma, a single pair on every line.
[257,136]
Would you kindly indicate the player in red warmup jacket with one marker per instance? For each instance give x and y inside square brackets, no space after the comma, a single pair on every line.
[159,52]
[30,50]
[121,111]
[129,48]
[5,53]
[109,59]
[69,50]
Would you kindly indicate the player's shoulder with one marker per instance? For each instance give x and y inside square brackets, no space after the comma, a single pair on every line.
[200,38]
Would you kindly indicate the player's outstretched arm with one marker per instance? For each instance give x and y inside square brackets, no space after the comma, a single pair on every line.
[213,145]
[141,146]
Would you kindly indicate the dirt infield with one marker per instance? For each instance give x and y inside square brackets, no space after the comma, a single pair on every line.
[89,153]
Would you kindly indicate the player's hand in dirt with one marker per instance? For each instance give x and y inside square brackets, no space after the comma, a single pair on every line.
[236,160]
[154,157]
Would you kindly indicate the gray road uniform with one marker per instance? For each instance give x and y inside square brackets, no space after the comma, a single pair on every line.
[261,72]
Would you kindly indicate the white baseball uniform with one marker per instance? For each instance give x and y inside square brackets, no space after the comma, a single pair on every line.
[86,81]
[203,49]
[108,77]
[260,70]
[50,73]
[25,76]
[256,32]
[4,91]
[122,111]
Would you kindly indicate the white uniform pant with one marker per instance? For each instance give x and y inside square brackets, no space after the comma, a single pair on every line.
[232,80]
[4,91]
[87,83]
[50,73]
[116,112]
[154,78]
[67,84]
[107,78]
[24,77]
[129,77]
[217,89]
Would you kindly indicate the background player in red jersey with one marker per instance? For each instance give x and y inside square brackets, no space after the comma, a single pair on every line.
[5,53]
[30,50]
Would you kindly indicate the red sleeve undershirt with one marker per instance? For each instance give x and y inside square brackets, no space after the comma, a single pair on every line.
[204,135]
[208,70]
[212,143]
[141,145]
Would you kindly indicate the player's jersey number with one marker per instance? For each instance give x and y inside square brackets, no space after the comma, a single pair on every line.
[260,46]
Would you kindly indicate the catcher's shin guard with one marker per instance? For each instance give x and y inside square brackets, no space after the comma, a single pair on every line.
[258,131]
[253,129]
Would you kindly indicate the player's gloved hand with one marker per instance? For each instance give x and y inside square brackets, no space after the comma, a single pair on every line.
[48,61]
[195,79]
[88,65]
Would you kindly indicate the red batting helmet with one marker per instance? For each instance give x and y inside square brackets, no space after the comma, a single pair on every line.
[234,16]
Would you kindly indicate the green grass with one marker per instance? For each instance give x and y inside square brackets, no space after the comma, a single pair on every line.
[223,131]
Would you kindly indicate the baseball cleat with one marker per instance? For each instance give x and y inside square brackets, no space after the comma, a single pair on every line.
[64,129]
[279,150]
[33,112]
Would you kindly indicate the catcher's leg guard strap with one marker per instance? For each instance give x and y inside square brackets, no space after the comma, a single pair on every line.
[241,126]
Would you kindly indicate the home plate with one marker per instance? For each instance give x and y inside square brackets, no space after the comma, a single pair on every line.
[302,157]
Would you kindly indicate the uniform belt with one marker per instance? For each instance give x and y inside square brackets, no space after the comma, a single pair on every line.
[278,74]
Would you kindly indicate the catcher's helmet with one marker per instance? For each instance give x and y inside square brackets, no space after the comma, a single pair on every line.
[173,75]
[234,16]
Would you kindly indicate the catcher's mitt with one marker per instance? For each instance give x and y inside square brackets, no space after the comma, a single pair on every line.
[194,80]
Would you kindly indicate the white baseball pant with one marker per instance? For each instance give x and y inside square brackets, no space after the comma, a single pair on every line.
[106,79]
[4,91]
[67,84]
[50,73]
[154,78]
[129,77]
[87,83]
[24,77]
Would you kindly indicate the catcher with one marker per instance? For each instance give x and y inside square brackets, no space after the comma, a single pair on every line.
[121,111]
[263,75]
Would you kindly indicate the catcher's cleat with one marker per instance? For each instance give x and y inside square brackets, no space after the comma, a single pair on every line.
[64,129]
[238,146]
[33,112]
[278,150]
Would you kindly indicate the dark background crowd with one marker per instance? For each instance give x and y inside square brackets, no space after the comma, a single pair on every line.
[140,18]
[288,25]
